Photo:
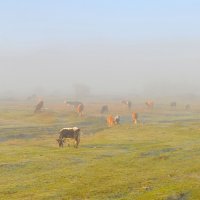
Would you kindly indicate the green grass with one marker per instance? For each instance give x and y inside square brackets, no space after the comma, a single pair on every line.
[153,161]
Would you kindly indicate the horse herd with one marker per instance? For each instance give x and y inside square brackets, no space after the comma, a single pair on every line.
[74,133]
[66,134]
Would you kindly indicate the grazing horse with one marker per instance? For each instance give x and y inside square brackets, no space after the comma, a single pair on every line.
[127,103]
[187,107]
[173,104]
[69,133]
[39,107]
[74,104]
[104,109]
[117,119]
[149,104]
[80,109]
[135,117]
[110,120]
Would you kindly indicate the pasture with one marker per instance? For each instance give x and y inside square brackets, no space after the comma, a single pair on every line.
[159,159]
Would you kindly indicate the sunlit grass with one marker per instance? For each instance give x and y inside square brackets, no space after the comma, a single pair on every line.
[150,161]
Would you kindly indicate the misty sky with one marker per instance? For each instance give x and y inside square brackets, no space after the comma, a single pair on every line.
[112,46]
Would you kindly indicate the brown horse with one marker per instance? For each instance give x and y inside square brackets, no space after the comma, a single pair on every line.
[80,109]
[135,117]
[149,104]
[39,107]
[110,120]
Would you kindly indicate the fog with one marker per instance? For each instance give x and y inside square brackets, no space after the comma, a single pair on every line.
[156,68]
[107,63]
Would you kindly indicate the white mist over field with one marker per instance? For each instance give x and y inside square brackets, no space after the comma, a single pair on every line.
[107,48]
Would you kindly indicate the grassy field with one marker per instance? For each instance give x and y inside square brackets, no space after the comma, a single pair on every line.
[157,160]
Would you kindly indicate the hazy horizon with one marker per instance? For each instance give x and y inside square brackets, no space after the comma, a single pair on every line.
[111,47]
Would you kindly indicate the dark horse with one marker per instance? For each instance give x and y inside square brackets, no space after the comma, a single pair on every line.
[69,133]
